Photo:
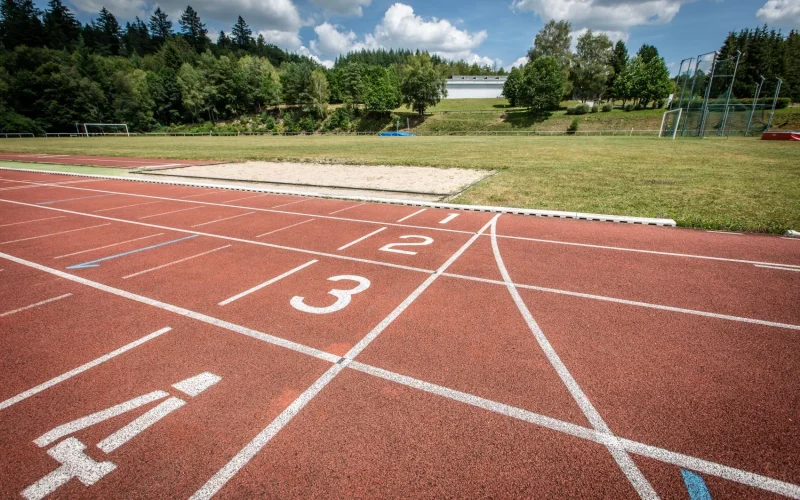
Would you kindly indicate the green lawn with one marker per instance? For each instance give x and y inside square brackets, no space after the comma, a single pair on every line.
[735,184]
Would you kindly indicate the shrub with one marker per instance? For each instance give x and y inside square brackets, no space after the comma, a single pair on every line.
[12,122]
[658,104]
[595,108]
[580,109]
[573,127]
[607,107]
[307,124]
[268,120]
[628,107]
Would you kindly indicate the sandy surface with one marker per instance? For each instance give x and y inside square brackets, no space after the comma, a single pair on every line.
[420,180]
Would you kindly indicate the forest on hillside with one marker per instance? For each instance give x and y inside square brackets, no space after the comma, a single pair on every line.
[156,73]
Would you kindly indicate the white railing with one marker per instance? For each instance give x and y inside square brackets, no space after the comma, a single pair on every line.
[18,135]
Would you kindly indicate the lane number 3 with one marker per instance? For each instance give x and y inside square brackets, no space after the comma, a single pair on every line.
[343,297]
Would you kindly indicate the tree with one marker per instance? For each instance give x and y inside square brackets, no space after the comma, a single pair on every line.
[194,90]
[223,42]
[512,87]
[194,30]
[647,53]
[592,65]
[132,101]
[421,84]
[352,82]
[315,97]
[20,24]
[619,60]
[107,33]
[295,79]
[655,83]
[160,26]
[382,90]
[60,26]
[542,85]
[241,34]
[554,40]
[137,38]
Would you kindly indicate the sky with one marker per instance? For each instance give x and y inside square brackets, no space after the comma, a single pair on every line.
[494,32]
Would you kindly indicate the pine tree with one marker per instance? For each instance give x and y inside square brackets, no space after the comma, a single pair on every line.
[792,76]
[194,30]
[137,38]
[647,53]
[20,24]
[60,26]
[223,42]
[107,33]
[241,34]
[619,59]
[160,26]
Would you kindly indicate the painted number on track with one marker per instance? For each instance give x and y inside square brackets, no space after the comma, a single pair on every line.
[392,247]
[343,297]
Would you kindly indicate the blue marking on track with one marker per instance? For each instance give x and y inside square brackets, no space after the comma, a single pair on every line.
[94,263]
[70,199]
[695,485]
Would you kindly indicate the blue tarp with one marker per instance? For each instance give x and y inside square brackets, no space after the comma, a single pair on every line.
[396,134]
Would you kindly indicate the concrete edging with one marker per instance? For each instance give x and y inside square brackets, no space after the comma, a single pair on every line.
[448,206]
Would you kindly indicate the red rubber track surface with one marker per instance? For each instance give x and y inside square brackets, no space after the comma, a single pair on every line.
[101,161]
[435,377]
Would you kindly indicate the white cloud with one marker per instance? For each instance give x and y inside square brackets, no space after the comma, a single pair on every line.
[289,40]
[612,15]
[400,27]
[522,61]
[343,7]
[781,13]
[303,51]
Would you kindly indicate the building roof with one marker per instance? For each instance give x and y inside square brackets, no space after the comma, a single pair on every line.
[482,78]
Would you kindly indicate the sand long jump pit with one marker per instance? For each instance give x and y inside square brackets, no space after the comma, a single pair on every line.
[417,183]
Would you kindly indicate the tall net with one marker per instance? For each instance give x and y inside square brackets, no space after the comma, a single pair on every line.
[101,129]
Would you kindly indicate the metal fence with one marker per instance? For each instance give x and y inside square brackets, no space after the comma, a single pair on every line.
[17,135]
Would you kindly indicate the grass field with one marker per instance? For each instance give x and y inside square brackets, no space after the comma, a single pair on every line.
[733,184]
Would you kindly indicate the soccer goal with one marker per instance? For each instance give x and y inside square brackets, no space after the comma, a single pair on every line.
[95,129]
[670,123]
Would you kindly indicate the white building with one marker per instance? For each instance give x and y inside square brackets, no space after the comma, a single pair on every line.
[474,87]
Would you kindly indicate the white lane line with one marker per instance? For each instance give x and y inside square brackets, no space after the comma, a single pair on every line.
[43,302]
[218,480]
[411,226]
[281,229]
[126,206]
[95,418]
[347,208]
[167,213]
[723,232]
[266,283]
[411,215]
[54,234]
[625,462]
[359,240]
[631,302]
[201,194]
[245,198]
[780,268]
[288,344]
[34,220]
[175,262]
[220,220]
[227,238]
[76,371]
[448,218]
[795,238]
[221,477]
[638,250]
[107,246]
[293,202]
[568,428]
[140,424]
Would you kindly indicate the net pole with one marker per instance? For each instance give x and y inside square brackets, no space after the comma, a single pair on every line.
[702,129]
[753,108]
[774,103]
[675,131]
[730,91]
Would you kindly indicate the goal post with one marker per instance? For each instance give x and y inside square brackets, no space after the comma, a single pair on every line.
[670,123]
[90,129]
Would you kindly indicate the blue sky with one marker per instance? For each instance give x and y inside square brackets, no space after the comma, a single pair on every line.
[492,31]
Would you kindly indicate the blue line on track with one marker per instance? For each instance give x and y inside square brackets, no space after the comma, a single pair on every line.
[70,199]
[695,485]
[94,263]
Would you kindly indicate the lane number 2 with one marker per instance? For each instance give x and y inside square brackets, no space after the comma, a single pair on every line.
[343,297]
[392,247]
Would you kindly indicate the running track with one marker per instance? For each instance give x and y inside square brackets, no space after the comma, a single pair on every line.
[166,341]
